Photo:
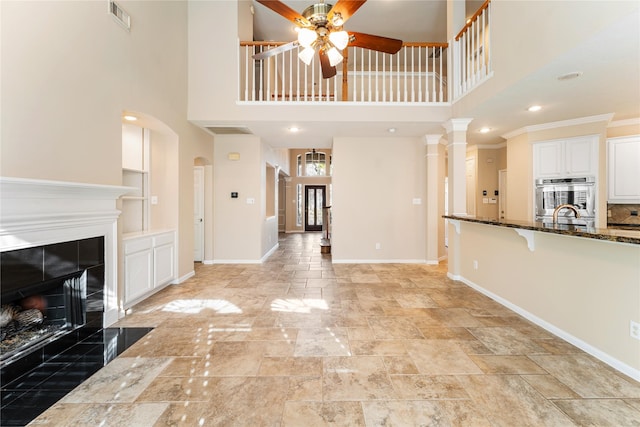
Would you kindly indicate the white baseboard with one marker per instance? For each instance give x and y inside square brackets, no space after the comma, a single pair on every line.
[237,261]
[378,261]
[207,262]
[184,278]
[586,347]
[268,254]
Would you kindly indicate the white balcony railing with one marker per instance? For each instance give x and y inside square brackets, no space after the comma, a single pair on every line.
[418,73]
[471,56]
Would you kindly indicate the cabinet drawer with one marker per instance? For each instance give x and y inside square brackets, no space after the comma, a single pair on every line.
[163,239]
[137,245]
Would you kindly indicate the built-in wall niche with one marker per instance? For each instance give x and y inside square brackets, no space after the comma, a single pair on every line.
[135,174]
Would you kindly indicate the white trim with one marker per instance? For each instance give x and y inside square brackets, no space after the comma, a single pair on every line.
[237,261]
[432,139]
[208,262]
[457,125]
[490,146]
[588,348]
[379,261]
[183,279]
[627,122]
[528,235]
[270,252]
[454,276]
[559,124]
[38,212]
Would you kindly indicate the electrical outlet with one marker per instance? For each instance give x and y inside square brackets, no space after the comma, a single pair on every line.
[377,245]
[635,330]
[475,264]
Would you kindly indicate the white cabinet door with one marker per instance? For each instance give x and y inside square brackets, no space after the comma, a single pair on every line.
[573,157]
[581,156]
[138,274]
[623,169]
[548,159]
[163,264]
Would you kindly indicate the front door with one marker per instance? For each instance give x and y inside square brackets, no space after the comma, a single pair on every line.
[314,196]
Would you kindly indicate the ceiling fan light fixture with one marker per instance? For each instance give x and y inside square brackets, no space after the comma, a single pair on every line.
[334,56]
[306,37]
[340,39]
[306,55]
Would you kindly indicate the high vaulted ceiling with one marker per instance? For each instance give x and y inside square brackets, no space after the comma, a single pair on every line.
[609,62]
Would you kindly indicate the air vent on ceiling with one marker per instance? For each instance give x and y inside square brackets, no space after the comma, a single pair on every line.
[120,15]
[229,130]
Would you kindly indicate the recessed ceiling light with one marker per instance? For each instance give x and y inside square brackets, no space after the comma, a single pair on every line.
[569,76]
[293,129]
[485,130]
[130,118]
[534,108]
[391,130]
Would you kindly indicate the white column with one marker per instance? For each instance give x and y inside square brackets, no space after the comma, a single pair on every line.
[433,188]
[457,153]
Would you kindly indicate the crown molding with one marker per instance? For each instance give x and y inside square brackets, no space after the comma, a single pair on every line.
[560,124]
[627,122]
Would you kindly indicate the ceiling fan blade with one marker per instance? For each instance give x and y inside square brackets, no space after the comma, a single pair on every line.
[276,50]
[285,11]
[381,44]
[328,70]
[345,8]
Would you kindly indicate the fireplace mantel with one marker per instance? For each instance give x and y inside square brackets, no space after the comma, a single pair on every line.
[40,212]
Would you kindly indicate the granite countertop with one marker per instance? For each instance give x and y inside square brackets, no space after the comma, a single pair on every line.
[608,234]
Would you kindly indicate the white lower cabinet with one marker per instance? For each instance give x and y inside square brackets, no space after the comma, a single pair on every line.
[148,265]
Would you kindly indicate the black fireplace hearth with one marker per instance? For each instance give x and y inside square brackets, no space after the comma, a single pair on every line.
[51,325]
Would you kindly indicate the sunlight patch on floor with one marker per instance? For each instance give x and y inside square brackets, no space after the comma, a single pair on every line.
[297,305]
[194,306]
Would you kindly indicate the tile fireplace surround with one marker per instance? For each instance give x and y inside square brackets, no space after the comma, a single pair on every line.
[36,213]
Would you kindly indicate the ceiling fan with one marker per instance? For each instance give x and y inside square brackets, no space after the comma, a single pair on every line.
[320,29]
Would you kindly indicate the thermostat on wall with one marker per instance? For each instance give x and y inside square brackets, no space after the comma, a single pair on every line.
[234,195]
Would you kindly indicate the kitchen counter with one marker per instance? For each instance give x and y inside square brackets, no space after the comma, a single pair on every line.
[580,283]
[608,234]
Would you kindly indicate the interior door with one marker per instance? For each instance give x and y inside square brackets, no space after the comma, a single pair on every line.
[198,213]
[314,196]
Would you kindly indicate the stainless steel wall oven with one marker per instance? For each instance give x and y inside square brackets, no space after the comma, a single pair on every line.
[553,192]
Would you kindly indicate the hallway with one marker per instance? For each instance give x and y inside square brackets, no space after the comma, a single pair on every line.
[298,341]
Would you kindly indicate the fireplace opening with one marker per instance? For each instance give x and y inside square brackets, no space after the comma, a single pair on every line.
[37,314]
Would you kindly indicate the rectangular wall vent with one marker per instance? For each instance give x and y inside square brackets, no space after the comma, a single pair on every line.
[120,15]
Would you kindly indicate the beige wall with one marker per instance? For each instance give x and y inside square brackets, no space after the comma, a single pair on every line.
[73,73]
[237,224]
[374,183]
[586,290]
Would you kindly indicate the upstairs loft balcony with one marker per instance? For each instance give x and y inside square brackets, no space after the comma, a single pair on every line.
[420,73]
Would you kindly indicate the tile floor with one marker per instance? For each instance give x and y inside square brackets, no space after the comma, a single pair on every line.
[298,341]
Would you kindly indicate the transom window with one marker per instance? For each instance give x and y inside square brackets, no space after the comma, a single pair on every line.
[313,163]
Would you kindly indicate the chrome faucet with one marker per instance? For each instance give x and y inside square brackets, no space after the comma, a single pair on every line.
[567,206]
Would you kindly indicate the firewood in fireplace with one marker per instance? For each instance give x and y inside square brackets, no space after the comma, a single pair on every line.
[7,312]
[29,317]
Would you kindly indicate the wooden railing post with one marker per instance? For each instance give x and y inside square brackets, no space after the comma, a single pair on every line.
[345,76]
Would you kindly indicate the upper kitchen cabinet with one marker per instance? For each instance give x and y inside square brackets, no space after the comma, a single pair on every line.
[571,157]
[623,169]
